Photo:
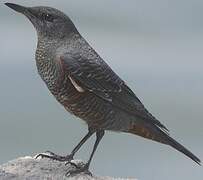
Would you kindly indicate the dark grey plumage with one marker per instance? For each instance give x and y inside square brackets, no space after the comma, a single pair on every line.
[85,85]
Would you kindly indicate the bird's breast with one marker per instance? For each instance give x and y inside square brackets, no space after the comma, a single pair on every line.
[84,104]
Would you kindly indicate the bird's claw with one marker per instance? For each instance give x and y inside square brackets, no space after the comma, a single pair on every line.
[78,169]
[50,152]
[56,157]
[72,164]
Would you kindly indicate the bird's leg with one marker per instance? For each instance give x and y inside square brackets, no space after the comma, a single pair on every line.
[85,168]
[68,157]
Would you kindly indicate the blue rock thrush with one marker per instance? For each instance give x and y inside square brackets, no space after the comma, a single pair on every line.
[86,86]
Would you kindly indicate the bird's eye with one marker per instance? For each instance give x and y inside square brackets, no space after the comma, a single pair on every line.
[48,17]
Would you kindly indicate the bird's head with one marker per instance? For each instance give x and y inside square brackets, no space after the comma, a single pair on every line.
[49,22]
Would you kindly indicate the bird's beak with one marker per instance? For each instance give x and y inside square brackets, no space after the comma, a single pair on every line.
[27,11]
[18,8]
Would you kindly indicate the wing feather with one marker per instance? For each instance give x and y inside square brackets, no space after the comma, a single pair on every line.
[97,77]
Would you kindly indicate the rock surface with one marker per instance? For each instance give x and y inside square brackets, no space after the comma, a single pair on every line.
[30,168]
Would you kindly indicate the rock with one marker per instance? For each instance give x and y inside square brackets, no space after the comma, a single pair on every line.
[30,168]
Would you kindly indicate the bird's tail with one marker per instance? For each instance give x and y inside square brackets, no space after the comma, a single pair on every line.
[157,134]
[172,142]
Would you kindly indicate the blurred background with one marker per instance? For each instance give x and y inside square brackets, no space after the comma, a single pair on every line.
[155,46]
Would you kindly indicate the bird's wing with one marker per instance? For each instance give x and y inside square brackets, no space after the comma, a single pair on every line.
[97,77]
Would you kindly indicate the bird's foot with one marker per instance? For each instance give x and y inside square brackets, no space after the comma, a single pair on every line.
[84,169]
[51,155]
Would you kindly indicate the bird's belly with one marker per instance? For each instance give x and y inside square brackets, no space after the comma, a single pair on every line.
[85,105]
[89,108]
[96,112]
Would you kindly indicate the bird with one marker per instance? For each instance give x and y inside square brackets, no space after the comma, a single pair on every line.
[86,86]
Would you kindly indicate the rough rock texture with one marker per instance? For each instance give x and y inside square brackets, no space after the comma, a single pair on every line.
[29,168]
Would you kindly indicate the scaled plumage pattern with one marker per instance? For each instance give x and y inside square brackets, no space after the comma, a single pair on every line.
[86,86]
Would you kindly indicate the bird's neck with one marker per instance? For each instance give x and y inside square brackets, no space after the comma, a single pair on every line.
[46,48]
[45,61]
[44,54]
[42,51]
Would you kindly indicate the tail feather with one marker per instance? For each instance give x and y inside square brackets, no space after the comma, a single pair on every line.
[170,141]
[157,134]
